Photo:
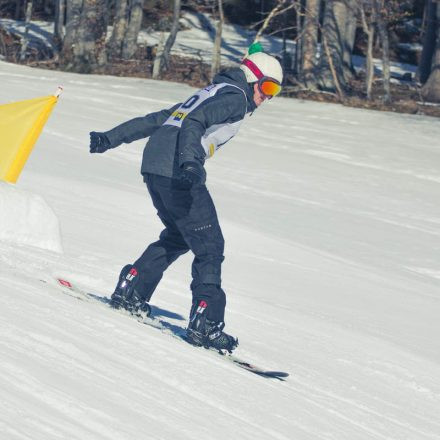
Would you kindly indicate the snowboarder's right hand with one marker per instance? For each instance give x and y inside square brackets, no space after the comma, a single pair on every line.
[193,173]
[98,142]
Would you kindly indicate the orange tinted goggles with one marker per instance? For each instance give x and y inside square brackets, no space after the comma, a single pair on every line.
[270,87]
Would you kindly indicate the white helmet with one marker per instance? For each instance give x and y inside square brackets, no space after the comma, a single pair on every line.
[268,65]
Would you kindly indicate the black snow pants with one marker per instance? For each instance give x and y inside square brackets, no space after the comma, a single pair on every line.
[191,223]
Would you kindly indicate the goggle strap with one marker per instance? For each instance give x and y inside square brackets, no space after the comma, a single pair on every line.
[253,68]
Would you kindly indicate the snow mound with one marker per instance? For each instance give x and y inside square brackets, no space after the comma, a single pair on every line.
[26,218]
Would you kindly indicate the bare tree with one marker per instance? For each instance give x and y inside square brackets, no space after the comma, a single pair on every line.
[429,41]
[73,16]
[119,28]
[331,66]
[25,41]
[274,12]
[126,27]
[350,35]
[161,61]
[18,4]
[129,45]
[369,29]
[158,58]
[309,42]
[299,26]
[216,54]
[337,46]
[431,89]
[376,17]
[382,22]
[60,11]
[84,44]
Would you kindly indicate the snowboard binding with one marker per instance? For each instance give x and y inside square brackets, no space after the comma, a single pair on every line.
[202,332]
[127,293]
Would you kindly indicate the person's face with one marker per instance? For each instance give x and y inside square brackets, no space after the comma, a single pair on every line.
[259,97]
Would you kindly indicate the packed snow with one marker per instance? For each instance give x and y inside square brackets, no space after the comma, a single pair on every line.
[27,219]
[332,228]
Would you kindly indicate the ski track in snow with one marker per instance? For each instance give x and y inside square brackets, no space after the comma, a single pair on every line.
[332,229]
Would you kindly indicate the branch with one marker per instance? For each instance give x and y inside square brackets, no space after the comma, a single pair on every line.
[268,18]
[332,68]
[272,15]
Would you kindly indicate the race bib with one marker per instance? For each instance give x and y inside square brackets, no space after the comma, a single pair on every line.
[216,135]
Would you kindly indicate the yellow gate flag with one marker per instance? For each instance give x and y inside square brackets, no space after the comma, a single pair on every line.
[20,125]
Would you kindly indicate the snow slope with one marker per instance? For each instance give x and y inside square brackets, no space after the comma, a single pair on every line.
[27,219]
[332,228]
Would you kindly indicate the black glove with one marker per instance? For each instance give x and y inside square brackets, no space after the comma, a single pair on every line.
[193,173]
[98,142]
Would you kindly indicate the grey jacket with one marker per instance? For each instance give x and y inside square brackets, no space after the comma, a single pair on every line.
[189,131]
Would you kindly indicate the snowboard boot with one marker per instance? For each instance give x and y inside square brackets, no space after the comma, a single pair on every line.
[127,294]
[209,334]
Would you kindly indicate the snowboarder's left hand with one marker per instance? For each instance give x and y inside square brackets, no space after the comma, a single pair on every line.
[193,173]
[98,142]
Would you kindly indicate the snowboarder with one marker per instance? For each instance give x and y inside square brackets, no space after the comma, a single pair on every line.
[180,140]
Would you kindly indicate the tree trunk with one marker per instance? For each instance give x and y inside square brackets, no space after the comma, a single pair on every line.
[431,89]
[158,58]
[369,31]
[300,22]
[84,45]
[216,54]
[58,31]
[17,9]
[25,40]
[284,58]
[350,36]
[47,7]
[335,35]
[119,28]
[163,60]
[333,72]
[73,15]
[310,42]
[370,64]
[425,64]
[384,38]
[129,45]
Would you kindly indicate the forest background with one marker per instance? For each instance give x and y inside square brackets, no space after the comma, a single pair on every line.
[320,39]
